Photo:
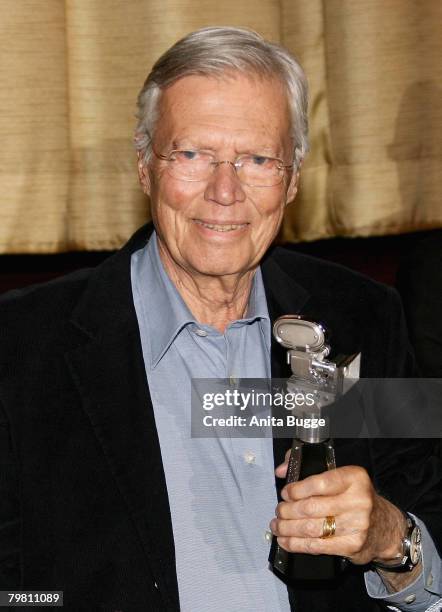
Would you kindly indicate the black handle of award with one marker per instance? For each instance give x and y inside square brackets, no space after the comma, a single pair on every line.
[306,459]
[312,449]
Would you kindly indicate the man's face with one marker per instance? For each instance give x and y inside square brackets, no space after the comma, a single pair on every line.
[229,117]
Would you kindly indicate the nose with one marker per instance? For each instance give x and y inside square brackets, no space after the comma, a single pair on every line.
[224,186]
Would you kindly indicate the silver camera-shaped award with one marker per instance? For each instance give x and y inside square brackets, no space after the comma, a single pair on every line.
[312,450]
[312,372]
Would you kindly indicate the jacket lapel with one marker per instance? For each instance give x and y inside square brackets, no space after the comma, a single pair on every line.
[108,369]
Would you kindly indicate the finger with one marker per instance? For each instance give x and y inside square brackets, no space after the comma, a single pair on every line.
[281,470]
[346,525]
[331,482]
[317,546]
[302,528]
[313,507]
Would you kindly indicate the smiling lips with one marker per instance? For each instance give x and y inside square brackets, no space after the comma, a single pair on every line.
[224,227]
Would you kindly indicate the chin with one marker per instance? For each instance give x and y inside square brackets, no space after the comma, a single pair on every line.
[218,269]
[221,261]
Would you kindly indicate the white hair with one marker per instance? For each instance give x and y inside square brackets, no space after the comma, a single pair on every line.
[216,51]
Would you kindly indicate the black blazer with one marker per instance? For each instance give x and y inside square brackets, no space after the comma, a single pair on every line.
[83,499]
[420,285]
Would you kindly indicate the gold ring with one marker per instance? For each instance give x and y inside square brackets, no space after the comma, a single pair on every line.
[328,527]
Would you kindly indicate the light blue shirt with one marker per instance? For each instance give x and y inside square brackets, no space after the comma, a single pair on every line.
[221,490]
[424,594]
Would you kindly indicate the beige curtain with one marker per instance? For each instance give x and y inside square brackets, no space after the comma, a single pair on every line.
[70,72]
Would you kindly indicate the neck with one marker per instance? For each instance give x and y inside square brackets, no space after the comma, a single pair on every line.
[213,300]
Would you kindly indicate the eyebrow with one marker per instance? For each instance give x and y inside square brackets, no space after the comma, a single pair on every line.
[263,149]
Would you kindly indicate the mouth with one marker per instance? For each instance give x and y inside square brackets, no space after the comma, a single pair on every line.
[221,227]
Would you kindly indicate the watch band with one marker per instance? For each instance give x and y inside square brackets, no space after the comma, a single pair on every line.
[411,550]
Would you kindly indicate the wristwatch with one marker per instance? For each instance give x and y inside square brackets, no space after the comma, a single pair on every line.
[411,550]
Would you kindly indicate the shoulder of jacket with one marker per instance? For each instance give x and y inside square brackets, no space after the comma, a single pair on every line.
[38,310]
[43,293]
[320,275]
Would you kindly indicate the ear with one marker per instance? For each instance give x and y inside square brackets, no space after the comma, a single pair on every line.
[143,173]
[292,189]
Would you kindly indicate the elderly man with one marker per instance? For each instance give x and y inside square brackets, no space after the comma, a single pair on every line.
[105,494]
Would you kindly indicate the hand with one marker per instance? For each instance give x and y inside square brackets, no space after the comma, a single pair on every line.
[368,527]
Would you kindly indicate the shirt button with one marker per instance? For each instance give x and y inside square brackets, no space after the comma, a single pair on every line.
[156,586]
[201,332]
[268,536]
[249,457]
[430,579]
[410,599]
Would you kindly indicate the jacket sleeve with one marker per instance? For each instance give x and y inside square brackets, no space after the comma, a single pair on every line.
[409,472]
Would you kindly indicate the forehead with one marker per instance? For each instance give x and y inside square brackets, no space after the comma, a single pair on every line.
[232,107]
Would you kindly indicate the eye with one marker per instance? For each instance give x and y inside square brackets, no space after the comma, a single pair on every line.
[188,154]
[185,156]
[260,160]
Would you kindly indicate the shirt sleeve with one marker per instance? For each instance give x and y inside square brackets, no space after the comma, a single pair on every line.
[422,595]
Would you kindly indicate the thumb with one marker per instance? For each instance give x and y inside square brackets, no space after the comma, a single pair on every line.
[281,470]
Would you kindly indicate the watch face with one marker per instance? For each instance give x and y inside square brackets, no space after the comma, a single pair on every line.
[415,546]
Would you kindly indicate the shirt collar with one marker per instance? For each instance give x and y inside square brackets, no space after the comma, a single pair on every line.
[257,308]
[165,312]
